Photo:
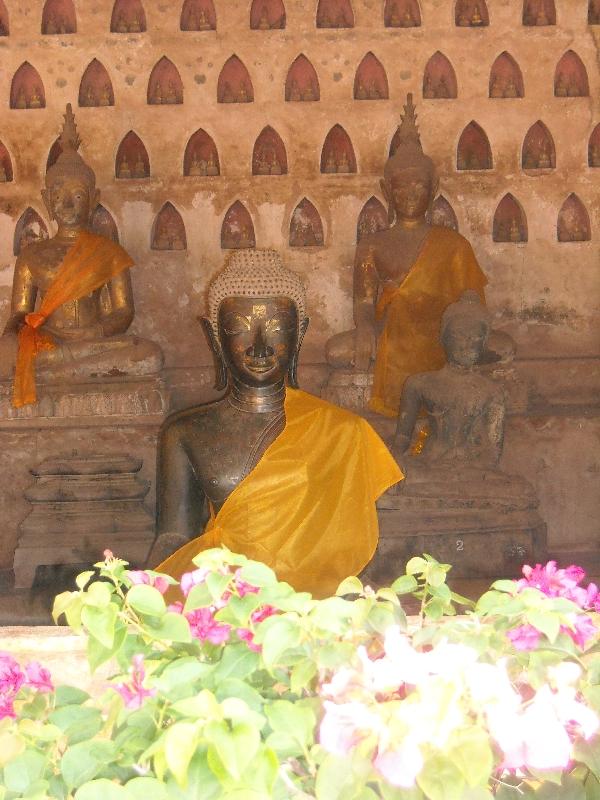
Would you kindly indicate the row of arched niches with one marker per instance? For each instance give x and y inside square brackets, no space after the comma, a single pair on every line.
[269,154]
[302,84]
[129,16]
[306,227]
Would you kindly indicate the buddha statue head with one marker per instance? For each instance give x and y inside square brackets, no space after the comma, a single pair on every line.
[256,320]
[70,195]
[464,331]
[410,179]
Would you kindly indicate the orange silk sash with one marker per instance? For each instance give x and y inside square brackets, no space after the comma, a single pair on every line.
[91,262]
[307,509]
[413,311]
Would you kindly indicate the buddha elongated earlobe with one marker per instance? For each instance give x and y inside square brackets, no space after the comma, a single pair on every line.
[220,368]
[293,368]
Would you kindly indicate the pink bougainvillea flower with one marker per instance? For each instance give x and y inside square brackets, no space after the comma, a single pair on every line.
[176,607]
[246,635]
[7,708]
[38,677]
[244,588]
[261,613]
[555,582]
[12,676]
[401,765]
[191,579]
[203,626]
[584,630]
[525,637]
[137,576]
[344,725]
[108,554]
[133,692]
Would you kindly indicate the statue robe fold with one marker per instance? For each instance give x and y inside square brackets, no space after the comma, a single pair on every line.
[412,313]
[307,509]
[89,264]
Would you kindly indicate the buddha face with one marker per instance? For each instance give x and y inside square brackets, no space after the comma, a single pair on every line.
[258,337]
[411,193]
[70,201]
[465,341]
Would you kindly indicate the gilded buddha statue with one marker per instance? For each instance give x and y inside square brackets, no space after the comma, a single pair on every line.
[272,472]
[72,298]
[404,278]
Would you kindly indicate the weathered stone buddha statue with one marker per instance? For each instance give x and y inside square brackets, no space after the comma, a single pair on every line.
[72,299]
[279,475]
[404,278]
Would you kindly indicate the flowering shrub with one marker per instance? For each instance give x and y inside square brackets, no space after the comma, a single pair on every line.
[247,690]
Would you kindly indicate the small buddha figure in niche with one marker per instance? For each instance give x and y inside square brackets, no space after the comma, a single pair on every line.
[374,93]
[408,21]
[246,239]
[121,25]
[263,22]
[442,91]
[404,278]
[227,96]
[476,18]
[275,166]
[510,90]
[171,94]
[428,91]
[90,97]
[75,332]
[196,167]
[343,164]
[330,165]
[514,233]
[497,87]
[157,94]
[105,97]
[203,21]
[51,27]
[21,100]
[139,168]
[361,92]
[561,87]
[124,170]
[240,465]
[135,26]
[243,93]
[35,100]
[295,93]
[211,165]
[395,19]
[310,92]
[573,89]
[544,161]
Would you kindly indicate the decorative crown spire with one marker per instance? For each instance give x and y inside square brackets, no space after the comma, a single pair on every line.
[408,132]
[408,153]
[69,138]
[69,163]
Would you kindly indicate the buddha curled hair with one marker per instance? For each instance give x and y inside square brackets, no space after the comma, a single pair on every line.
[468,306]
[409,150]
[255,273]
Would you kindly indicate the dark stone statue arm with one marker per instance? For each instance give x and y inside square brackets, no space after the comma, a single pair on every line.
[116,307]
[182,506]
[411,401]
[24,293]
[365,287]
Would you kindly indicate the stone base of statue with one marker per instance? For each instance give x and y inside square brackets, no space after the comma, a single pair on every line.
[484,523]
[349,388]
[81,506]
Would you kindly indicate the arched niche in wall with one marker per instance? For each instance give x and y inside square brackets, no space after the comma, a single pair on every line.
[201,157]
[267,15]
[168,230]
[471,14]
[370,81]
[539,151]
[401,14]
[337,155]
[594,148]
[6,169]
[237,231]
[335,14]
[128,16]
[439,79]
[234,84]
[573,223]
[474,151]
[30,227]
[306,227]
[571,78]
[132,158]
[506,78]
[96,87]
[442,214]
[164,85]
[27,88]
[510,222]
[302,82]
[373,217]
[58,16]
[103,223]
[269,156]
[4,26]
[198,15]
[539,12]
[593,12]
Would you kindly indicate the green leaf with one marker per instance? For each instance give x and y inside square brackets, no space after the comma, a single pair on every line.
[237,661]
[24,770]
[199,597]
[11,746]
[351,585]
[547,623]
[436,574]
[63,601]
[99,594]
[146,600]
[181,673]
[335,779]
[147,789]
[592,788]
[472,754]
[100,623]
[293,719]
[405,584]
[217,584]
[302,674]
[84,578]
[258,574]
[393,793]
[588,752]
[77,722]
[570,789]
[98,654]
[505,586]
[172,627]
[102,789]
[69,695]
[235,748]
[180,745]
[84,761]
[234,687]
[416,565]
[440,779]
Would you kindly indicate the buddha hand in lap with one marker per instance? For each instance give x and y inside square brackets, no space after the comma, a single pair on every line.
[279,475]
[83,286]
[404,278]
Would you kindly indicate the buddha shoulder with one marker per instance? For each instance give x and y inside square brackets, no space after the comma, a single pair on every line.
[449,238]
[181,423]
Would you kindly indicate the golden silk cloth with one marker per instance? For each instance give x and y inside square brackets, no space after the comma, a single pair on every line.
[412,312]
[91,262]
[307,509]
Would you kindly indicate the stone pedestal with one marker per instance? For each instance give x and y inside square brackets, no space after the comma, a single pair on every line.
[82,505]
[348,388]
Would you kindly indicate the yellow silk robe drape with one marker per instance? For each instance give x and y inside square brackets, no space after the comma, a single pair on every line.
[307,509]
[412,312]
[91,262]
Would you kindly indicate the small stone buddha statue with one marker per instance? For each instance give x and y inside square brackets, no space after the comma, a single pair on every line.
[124,170]
[404,278]
[212,167]
[105,96]
[121,25]
[263,22]
[72,299]
[203,21]
[279,475]
[35,101]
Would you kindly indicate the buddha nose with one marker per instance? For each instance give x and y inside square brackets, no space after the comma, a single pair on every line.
[259,348]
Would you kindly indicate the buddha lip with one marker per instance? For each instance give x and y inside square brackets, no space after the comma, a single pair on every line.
[260,365]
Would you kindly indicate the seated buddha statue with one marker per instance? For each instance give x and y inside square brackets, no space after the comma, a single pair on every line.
[72,298]
[404,278]
[268,470]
